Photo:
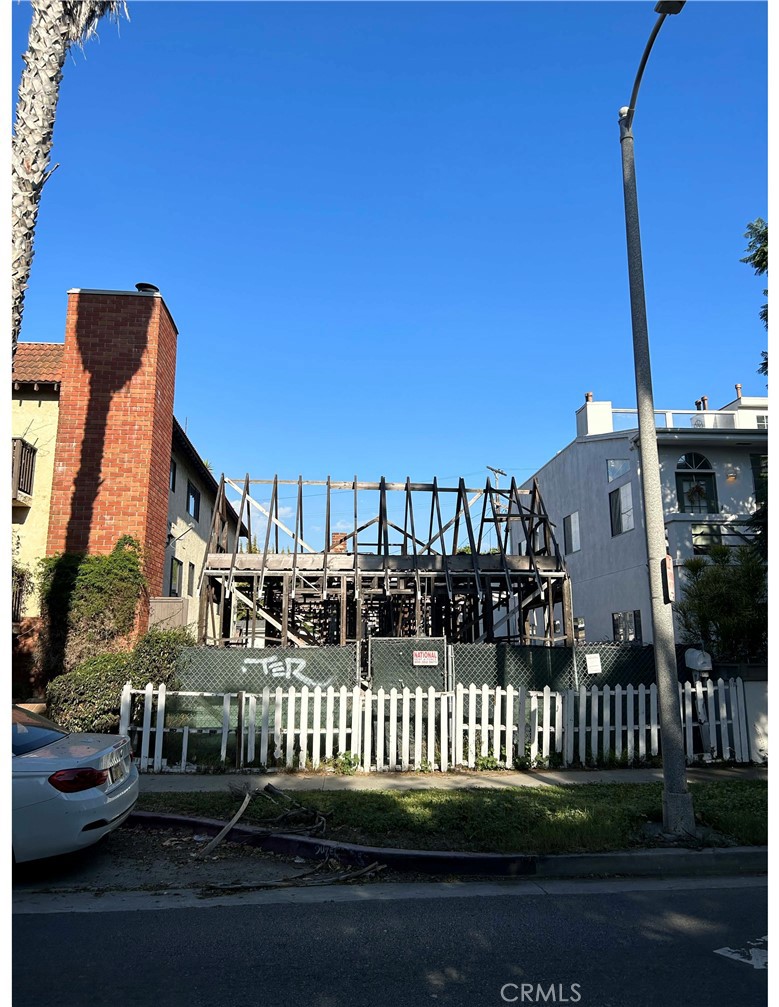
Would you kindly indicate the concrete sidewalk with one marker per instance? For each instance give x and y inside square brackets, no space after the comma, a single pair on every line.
[204,782]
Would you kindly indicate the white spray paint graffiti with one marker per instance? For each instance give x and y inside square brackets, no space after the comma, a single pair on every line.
[288,667]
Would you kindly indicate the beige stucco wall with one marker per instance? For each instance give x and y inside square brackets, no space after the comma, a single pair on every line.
[34,417]
[188,546]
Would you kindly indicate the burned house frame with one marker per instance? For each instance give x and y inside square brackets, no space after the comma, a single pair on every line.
[430,560]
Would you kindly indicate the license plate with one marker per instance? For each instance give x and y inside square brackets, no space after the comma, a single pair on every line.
[117,772]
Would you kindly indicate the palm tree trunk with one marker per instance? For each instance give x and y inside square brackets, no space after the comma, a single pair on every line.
[36,110]
[56,25]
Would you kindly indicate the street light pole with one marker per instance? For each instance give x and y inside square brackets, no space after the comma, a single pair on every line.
[678,815]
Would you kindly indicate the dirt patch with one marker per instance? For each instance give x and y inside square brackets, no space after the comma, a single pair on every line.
[140,859]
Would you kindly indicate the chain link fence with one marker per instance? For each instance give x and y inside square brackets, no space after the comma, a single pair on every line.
[558,667]
[413,662]
[612,664]
[221,670]
[503,664]
[245,669]
[398,663]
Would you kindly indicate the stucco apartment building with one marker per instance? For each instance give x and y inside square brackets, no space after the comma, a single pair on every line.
[98,454]
[713,467]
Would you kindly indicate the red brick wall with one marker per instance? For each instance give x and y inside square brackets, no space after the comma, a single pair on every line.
[112,458]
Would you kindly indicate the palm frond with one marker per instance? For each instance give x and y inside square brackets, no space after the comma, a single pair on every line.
[83,16]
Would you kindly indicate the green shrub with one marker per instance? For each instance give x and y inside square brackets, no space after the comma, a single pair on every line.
[88,605]
[88,698]
[156,657]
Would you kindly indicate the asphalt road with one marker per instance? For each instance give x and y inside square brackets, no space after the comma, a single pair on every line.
[598,944]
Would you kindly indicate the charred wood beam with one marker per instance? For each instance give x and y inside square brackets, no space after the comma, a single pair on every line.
[356,563]
[463,504]
[238,528]
[437,504]
[263,614]
[274,519]
[327,540]
[298,527]
[273,500]
[528,533]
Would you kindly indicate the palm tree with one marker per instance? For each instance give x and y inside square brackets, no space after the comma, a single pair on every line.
[56,25]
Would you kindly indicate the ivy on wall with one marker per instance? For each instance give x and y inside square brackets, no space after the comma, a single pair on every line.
[88,605]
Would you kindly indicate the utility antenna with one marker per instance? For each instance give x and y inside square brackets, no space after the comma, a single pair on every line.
[498,506]
[497,473]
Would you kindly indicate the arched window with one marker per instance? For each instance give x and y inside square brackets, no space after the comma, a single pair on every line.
[696,485]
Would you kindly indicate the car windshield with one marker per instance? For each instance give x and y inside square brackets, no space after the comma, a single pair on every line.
[31,731]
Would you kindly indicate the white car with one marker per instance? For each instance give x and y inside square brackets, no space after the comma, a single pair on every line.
[69,790]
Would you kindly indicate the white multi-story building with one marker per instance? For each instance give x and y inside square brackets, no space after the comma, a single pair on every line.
[713,468]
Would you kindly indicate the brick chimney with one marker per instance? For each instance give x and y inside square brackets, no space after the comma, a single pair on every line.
[338,541]
[112,456]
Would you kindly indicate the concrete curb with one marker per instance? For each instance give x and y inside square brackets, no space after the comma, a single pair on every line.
[632,863]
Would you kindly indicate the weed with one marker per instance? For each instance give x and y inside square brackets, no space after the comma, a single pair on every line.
[345,764]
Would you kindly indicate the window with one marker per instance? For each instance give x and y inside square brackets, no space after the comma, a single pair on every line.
[760,476]
[617,467]
[193,501]
[176,570]
[172,476]
[621,506]
[191,580]
[627,626]
[762,421]
[571,533]
[30,731]
[696,485]
[704,536]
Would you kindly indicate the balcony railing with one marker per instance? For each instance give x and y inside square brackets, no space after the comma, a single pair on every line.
[707,419]
[22,471]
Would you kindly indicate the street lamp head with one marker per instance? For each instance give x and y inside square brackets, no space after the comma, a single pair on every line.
[669,6]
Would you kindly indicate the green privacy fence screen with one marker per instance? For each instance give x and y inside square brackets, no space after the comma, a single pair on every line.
[420,662]
[397,663]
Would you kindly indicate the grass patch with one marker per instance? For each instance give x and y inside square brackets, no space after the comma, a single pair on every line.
[593,818]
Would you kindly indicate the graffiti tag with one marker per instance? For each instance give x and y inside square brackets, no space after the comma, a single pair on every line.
[288,668]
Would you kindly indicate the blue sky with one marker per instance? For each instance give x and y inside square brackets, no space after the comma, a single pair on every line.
[392,234]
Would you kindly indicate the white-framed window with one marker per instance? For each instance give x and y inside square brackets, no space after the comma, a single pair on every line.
[571,535]
[762,421]
[621,509]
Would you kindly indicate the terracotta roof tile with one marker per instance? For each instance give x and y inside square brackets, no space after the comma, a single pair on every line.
[38,362]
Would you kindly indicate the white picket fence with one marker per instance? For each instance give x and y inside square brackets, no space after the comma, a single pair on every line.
[474,727]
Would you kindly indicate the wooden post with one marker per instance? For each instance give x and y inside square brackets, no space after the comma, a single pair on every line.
[343,611]
[254,609]
[239,732]
[285,612]
[567,612]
